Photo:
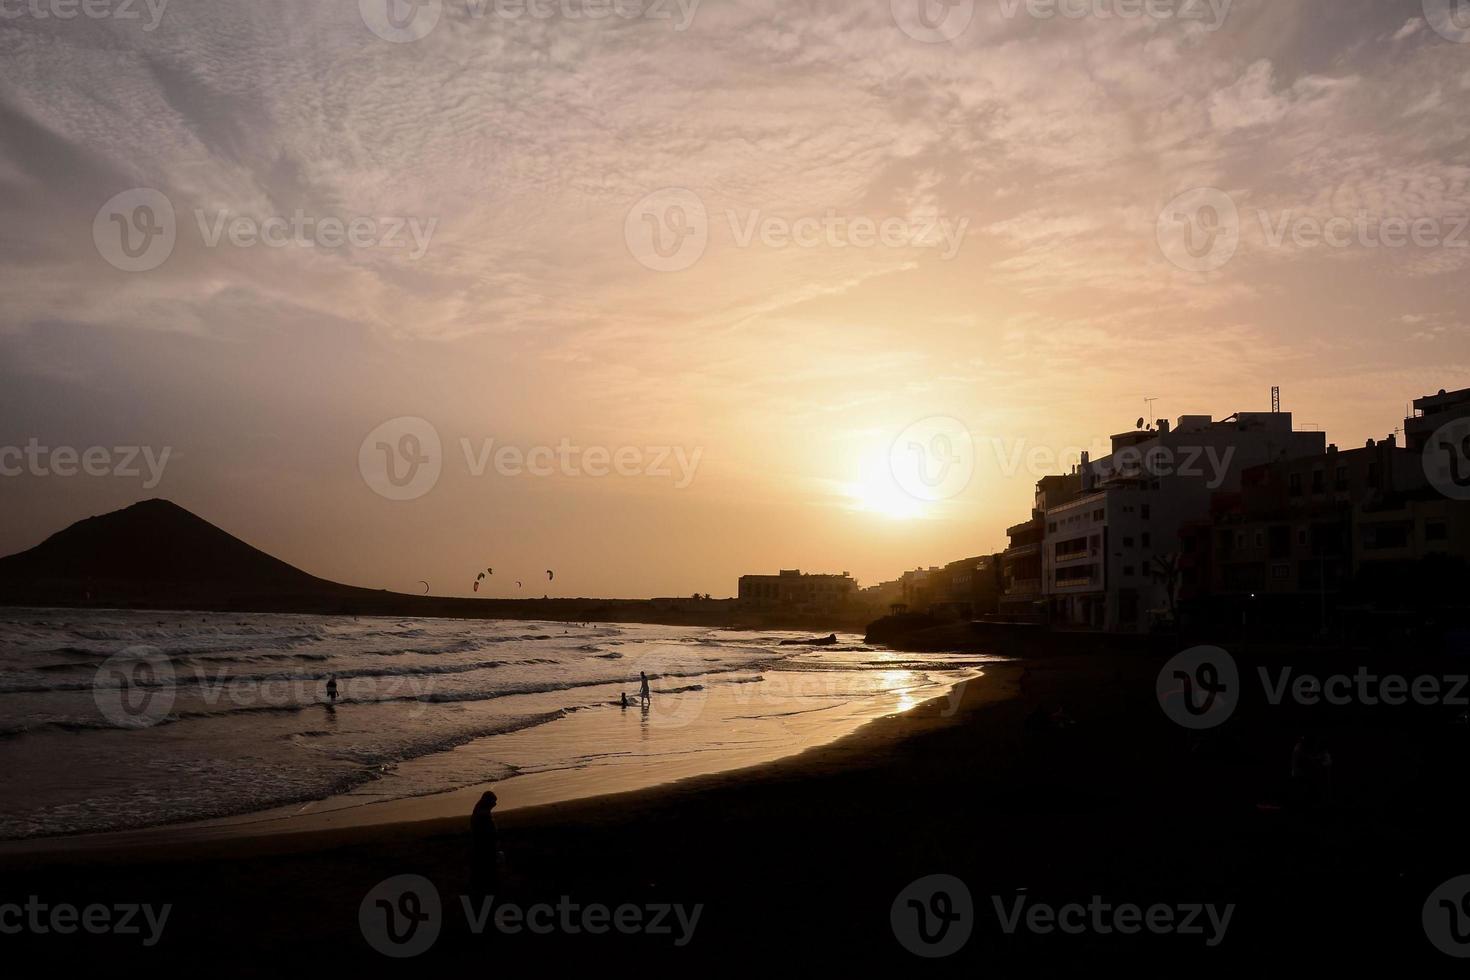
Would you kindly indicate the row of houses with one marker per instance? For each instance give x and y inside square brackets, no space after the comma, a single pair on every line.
[968,588]
[1238,518]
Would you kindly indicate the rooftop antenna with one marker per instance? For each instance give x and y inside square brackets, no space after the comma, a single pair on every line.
[1275,399]
[1149,405]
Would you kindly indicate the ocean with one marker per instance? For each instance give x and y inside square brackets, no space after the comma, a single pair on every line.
[122,720]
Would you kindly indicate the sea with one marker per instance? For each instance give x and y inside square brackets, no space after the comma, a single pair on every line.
[124,720]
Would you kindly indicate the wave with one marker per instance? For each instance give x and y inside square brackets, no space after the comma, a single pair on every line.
[370,766]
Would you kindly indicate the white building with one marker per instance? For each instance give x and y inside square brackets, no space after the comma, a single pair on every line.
[1108,552]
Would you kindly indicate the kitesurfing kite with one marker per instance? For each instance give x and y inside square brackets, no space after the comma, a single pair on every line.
[550,575]
[425,585]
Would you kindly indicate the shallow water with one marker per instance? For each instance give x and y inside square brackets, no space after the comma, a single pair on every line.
[123,720]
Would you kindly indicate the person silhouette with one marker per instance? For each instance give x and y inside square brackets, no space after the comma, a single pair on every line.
[644,694]
[624,697]
[331,688]
[484,845]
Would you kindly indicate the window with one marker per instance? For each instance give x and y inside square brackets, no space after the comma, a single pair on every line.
[1296,485]
[1145,539]
[1280,570]
[1260,539]
[1070,549]
[1373,475]
[1128,542]
[1340,482]
[1097,515]
[1051,527]
[1143,511]
[1319,482]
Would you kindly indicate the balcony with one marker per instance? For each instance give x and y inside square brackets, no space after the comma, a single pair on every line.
[1023,587]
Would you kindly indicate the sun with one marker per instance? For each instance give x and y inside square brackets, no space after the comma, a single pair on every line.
[876,492]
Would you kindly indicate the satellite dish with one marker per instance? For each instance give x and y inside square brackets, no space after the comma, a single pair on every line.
[1138,424]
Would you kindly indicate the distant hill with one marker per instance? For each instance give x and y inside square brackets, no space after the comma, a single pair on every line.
[151,551]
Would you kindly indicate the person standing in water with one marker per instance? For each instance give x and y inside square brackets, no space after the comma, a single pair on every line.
[332,688]
[644,694]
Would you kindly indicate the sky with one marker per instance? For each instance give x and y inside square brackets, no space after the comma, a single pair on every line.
[656,294]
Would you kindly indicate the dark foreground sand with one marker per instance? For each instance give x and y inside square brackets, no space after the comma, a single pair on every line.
[796,864]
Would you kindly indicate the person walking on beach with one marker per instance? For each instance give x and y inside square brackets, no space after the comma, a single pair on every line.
[644,694]
[484,846]
[332,688]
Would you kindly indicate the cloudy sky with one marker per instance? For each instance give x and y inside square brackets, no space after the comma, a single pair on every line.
[656,294]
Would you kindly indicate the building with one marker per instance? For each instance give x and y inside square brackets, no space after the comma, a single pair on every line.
[1303,539]
[883,598]
[1289,530]
[968,588]
[1021,595]
[920,587]
[1074,562]
[791,588]
[1112,554]
[1433,411]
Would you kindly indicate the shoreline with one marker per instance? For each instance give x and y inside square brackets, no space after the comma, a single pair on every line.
[259,834]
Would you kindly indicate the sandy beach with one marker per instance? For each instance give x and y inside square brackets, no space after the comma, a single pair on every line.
[813,849]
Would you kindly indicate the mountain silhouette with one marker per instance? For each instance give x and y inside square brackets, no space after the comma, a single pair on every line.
[153,552]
